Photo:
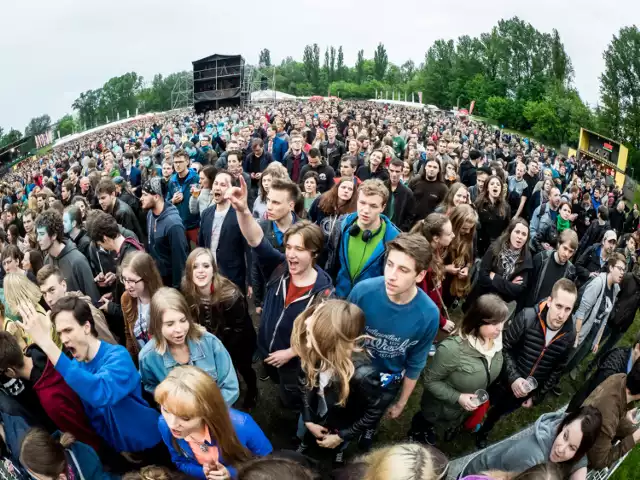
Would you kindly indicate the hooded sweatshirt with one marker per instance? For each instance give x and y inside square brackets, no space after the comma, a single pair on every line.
[59,402]
[517,455]
[75,269]
[167,244]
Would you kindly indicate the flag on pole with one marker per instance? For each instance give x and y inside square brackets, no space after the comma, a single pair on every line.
[419,97]
[473,104]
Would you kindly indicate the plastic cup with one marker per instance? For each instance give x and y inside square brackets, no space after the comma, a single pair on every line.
[481,397]
[531,384]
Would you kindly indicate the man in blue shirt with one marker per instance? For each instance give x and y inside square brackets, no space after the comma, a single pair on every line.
[104,377]
[401,320]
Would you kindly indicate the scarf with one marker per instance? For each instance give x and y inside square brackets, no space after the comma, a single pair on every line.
[562,224]
[508,259]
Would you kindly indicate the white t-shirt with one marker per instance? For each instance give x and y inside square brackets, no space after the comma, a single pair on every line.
[216,228]
[550,335]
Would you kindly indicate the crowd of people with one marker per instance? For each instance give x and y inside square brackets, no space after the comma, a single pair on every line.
[375,247]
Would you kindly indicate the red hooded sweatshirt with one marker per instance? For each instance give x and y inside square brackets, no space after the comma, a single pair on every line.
[61,404]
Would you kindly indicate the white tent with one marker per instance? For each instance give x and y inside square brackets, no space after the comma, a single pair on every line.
[270,96]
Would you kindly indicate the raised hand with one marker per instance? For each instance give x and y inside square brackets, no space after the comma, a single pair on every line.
[237,196]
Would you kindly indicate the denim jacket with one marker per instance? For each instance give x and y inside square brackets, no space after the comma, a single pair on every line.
[207,353]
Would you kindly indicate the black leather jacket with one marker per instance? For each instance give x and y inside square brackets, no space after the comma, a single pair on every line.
[364,406]
[525,353]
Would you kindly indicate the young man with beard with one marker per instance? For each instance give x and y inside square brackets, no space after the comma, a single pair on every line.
[294,283]
[548,209]
[166,239]
[549,266]
[536,343]
[332,149]
[179,193]
[401,204]
[375,169]
[295,159]
[401,321]
[362,239]
[428,189]
[325,173]
[219,231]
[111,204]
[103,376]
[64,254]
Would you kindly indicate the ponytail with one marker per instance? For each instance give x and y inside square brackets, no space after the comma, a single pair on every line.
[44,455]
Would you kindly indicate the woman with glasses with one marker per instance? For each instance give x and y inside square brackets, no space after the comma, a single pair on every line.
[141,279]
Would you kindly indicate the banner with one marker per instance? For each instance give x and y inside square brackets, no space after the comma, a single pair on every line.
[419,97]
[473,104]
[44,139]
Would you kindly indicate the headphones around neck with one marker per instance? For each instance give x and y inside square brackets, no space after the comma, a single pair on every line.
[367,235]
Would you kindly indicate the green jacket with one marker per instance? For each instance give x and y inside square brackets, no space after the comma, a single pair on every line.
[456,368]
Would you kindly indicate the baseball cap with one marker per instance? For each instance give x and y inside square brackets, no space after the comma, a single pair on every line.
[609,235]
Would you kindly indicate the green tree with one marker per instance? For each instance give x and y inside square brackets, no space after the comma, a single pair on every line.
[360,67]
[38,125]
[561,67]
[66,125]
[307,60]
[340,68]
[438,73]
[380,61]
[265,58]
[620,87]
[13,136]
[315,75]
[407,71]
[87,106]
[332,64]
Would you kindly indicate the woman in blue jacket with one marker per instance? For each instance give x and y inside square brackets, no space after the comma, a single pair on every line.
[59,456]
[202,434]
[177,340]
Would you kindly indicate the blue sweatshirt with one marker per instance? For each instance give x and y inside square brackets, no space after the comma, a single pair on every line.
[402,334]
[110,389]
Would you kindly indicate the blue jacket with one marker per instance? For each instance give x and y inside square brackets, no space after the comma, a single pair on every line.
[280,148]
[134,178]
[276,321]
[85,461]
[109,387]
[247,431]
[233,254]
[167,243]
[374,267]
[189,219]
[208,353]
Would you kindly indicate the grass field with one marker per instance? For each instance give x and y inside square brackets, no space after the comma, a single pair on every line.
[279,424]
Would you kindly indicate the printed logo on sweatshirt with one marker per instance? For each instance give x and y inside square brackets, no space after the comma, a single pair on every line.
[386,345]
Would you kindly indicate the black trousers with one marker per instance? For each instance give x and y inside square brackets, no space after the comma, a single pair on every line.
[287,379]
[503,402]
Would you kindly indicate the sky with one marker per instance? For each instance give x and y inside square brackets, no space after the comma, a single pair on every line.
[51,51]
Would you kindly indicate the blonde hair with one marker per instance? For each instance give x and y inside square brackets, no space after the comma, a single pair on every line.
[190,392]
[373,186]
[334,328]
[170,299]
[405,461]
[19,289]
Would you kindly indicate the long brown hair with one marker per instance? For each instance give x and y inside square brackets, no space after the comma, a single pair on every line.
[333,328]
[44,455]
[460,251]
[189,392]
[143,265]
[505,239]
[170,299]
[483,199]
[223,290]
[429,228]
[447,202]
[329,202]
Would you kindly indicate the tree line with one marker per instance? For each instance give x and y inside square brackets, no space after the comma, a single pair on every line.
[519,77]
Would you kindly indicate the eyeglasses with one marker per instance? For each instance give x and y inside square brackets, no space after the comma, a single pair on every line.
[128,281]
[621,268]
